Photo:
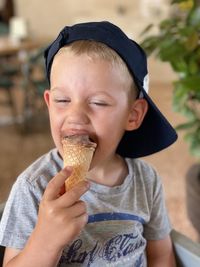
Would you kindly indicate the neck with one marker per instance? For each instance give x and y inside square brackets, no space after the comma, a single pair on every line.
[111,172]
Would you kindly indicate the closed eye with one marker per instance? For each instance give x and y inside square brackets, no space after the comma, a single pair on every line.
[62,100]
[99,103]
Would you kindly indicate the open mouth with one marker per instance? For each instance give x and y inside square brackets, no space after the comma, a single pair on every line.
[91,139]
[81,137]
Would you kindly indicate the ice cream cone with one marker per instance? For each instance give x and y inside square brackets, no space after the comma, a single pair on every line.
[77,153]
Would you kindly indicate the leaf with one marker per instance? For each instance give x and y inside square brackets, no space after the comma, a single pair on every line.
[179,98]
[192,41]
[167,24]
[147,29]
[186,126]
[194,140]
[193,66]
[178,1]
[179,65]
[150,44]
[191,83]
[194,17]
[171,49]
[186,5]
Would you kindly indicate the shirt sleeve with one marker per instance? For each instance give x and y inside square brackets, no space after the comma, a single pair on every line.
[158,226]
[20,215]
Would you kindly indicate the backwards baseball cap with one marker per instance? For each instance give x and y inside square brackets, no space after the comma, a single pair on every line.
[155,133]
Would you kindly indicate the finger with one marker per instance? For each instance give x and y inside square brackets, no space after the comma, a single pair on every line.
[77,210]
[81,220]
[70,197]
[56,183]
[75,228]
[62,190]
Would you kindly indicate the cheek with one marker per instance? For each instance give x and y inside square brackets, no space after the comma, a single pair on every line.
[56,116]
[110,129]
[56,122]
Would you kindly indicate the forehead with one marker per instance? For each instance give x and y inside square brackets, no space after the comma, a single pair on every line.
[94,51]
[68,66]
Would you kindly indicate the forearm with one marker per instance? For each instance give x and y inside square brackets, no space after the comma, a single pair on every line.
[36,253]
[160,253]
[168,261]
[24,259]
[164,260]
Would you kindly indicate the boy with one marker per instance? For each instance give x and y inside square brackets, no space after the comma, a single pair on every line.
[98,78]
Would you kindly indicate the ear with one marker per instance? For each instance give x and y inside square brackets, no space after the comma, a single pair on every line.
[47,97]
[138,111]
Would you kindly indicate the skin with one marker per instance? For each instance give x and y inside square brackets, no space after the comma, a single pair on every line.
[86,97]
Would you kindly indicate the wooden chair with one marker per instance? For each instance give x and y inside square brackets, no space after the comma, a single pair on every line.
[187,252]
[1,248]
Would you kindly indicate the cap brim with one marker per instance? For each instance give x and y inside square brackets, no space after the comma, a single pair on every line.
[155,134]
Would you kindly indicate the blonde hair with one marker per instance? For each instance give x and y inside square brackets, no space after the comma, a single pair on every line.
[97,50]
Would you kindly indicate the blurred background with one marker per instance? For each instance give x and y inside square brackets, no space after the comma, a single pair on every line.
[26,28]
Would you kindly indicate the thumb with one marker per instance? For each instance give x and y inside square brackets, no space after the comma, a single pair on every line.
[56,184]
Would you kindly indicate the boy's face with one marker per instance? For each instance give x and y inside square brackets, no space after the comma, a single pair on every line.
[89,97]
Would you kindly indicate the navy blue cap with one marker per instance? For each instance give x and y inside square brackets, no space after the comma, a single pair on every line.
[155,133]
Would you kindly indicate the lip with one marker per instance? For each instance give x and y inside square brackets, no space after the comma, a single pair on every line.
[74,132]
[79,132]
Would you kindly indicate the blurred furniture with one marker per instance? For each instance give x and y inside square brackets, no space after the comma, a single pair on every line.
[6,84]
[19,60]
[10,47]
[8,70]
[7,10]
[34,84]
[4,29]
[187,252]
[1,248]
[36,73]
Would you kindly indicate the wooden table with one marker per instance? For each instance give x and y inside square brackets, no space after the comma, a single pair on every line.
[11,47]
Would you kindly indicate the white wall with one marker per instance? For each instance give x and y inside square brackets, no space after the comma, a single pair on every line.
[47,17]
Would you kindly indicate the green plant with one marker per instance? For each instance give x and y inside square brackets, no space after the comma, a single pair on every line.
[178,43]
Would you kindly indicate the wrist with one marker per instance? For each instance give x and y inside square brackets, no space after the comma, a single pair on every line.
[46,252]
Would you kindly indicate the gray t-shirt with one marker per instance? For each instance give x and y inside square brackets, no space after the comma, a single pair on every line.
[121,218]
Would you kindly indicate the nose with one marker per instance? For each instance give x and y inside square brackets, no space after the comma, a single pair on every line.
[77,115]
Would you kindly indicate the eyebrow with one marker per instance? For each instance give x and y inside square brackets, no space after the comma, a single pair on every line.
[55,88]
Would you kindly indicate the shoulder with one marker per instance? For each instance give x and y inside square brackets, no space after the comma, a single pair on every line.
[144,177]
[142,170]
[31,183]
[42,169]
[24,199]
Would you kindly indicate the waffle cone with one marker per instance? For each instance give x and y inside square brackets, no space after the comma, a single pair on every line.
[77,153]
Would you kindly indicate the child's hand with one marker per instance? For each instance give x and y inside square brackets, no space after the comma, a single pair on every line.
[61,216]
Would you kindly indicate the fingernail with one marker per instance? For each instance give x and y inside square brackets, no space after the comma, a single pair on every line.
[87,184]
[67,169]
